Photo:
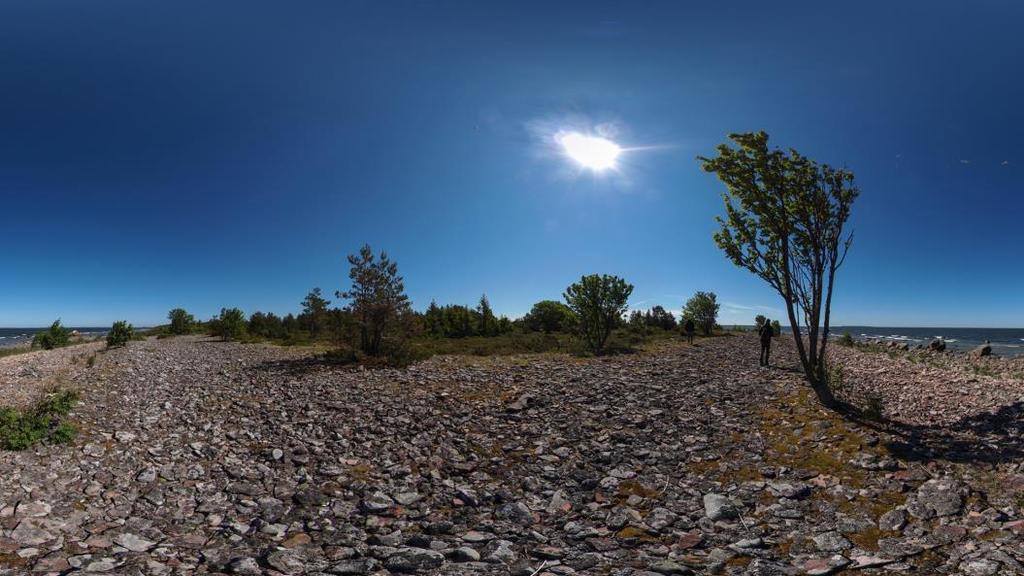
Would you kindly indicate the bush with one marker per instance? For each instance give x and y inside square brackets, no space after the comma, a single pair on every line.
[181,322]
[54,337]
[230,325]
[846,340]
[120,333]
[20,429]
[599,301]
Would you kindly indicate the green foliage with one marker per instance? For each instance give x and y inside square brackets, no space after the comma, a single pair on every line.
[846,340]
[20,429]
[702,308]
[181,322]
[120,333]
[457,321]
[776,328]
[377,300]
[598,301]
[230,325]
[314,316]
[784,219]
[550,316]
[759,321]
[55,336]
[658,317]
[487,324]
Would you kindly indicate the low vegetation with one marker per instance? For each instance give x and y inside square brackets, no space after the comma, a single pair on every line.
[230,325]
[42,422]
[56,336]
[120,334]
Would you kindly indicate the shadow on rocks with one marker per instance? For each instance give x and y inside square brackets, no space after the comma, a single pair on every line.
[989,437]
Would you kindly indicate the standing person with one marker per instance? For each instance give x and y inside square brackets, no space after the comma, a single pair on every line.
[689,328]
[765,333]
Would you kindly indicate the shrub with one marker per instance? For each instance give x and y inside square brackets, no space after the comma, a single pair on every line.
[846,340]
[759,321]
[181,321]
[230,325]
[776,328]
[20,429]
[54,337]
[702,308]
[120,333]
[599,301]
[550,316]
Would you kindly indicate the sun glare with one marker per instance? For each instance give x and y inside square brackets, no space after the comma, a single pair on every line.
[591,152]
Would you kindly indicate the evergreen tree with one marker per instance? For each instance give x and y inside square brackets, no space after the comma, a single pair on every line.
[377,298]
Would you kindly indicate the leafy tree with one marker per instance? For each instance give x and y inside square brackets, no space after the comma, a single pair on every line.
[702,308]
[181,321]
[230,325]
[120,334]
[54,337]
[377,296]
[784,219]
[550,316]
[599,301]
[314,313]
[759,321]
[776,328]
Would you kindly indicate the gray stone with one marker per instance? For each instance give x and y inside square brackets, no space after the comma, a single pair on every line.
[893,520]
[831,541]
[499,552]
[719,507]
[413,560]
[979,567]
[133,542]
[465,554]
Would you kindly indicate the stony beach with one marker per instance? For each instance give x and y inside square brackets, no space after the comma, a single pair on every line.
[199,457]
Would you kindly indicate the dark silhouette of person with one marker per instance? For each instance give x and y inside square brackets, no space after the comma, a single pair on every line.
[766,332]
[689,328]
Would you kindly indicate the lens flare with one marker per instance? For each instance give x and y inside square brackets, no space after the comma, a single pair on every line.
[591,152]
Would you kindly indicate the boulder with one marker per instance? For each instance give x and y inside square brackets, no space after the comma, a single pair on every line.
[937,345]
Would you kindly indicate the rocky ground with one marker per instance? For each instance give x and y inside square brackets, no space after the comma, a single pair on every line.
[204,457]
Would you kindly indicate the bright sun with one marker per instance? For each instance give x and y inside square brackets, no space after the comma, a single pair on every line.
[591,152]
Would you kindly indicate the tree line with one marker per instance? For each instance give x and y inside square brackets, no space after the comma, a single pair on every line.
[784,222]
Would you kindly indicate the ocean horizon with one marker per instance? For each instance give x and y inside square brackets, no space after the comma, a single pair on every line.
[23,336]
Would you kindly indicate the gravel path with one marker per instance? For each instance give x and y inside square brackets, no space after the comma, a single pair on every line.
[203,457]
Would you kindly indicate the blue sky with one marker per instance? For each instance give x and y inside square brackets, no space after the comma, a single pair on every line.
[204,155]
